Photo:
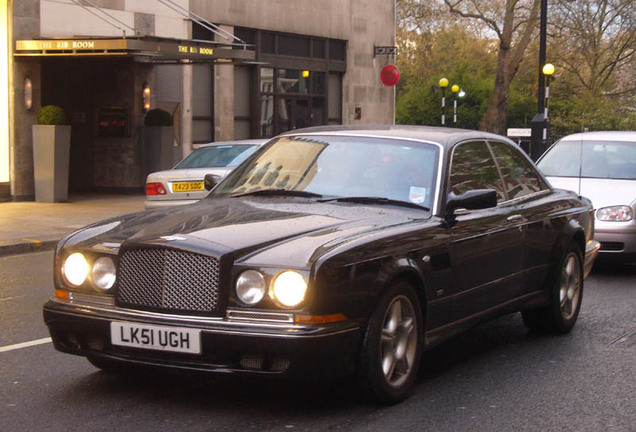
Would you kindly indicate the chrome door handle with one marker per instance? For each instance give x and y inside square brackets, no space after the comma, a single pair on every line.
[515,218]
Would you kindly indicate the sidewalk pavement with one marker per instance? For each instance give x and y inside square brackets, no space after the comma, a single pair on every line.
[37,226]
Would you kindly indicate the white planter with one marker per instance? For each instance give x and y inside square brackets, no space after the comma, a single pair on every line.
[51,152]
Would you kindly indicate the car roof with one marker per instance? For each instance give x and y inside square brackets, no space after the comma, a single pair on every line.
[602,135]
[235,142]
[441,135]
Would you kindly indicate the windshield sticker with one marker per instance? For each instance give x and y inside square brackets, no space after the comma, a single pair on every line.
[417,194]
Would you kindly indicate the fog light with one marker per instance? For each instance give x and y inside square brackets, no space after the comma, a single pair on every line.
[75,269]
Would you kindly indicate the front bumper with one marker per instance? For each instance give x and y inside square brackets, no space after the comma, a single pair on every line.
[616,245]
[227,346]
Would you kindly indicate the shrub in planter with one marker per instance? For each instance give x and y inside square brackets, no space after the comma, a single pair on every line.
[158,117]
[51,115]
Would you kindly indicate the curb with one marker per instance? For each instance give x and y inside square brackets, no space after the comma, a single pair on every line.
[27,246]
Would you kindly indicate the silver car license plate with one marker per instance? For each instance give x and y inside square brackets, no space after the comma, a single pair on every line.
[162,338]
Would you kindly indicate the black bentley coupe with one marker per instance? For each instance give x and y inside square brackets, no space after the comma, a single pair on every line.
[330,251]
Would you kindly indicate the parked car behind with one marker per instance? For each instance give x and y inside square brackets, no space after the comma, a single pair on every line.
[183,184]
[330,251]
[602,167]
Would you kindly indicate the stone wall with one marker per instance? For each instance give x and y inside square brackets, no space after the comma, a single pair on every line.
[26,25]
[363,23]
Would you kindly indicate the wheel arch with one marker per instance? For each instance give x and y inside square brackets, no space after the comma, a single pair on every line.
[408,271]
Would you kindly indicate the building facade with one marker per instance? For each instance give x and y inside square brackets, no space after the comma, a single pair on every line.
[224,69]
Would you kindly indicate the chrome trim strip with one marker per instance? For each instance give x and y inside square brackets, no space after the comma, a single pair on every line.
[216,325]
[93,299]
[258,316]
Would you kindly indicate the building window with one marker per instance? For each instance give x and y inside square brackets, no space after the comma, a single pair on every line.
[337,50]
[299,83]
[293,99]
[296,46]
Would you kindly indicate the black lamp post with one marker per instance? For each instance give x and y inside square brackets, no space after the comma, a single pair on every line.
[539,121]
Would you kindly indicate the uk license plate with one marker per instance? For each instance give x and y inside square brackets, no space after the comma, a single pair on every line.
[152,337]
[187,186]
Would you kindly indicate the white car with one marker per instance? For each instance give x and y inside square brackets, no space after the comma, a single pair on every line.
[184,184]
[602,167]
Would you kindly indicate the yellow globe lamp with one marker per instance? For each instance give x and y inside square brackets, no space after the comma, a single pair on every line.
[548,69]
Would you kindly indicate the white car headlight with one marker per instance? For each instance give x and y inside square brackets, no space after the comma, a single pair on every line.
[75,269]
[250,287]
[104,273]
[289,288]
[615,214]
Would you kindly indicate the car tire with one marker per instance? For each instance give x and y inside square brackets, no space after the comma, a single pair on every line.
[566,295]
[392,346]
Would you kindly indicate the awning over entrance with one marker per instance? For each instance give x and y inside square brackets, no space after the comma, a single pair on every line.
[144,48]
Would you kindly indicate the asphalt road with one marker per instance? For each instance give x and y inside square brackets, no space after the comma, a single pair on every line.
[497,377]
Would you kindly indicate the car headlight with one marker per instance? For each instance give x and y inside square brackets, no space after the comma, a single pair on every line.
[289,288]
[250,287]
[75,269]
[615,214]
[104,273]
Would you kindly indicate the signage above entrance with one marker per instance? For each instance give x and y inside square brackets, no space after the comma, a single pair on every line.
[148,48]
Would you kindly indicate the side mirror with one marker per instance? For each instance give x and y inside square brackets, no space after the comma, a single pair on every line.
[472,200]
[210,180]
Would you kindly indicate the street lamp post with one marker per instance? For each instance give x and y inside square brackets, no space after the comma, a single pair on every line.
[455,90]
[548,70]
[443,83]
[537,145]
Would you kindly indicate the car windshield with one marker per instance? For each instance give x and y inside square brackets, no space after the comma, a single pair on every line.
[217,156]
[591,159]
[340,166]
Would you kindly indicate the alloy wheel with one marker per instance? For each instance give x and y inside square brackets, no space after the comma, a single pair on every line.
[570,289]
[398,341]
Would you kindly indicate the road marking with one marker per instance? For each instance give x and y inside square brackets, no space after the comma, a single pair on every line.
[25,344]
[11,298]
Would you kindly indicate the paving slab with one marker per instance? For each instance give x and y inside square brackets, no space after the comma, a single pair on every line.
[36,226]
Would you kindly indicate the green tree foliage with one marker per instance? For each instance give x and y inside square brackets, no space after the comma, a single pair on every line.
[451,52]
[590,42]
[593,44]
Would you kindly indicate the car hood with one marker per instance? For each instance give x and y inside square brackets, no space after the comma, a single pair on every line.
[602,192]
[258,230]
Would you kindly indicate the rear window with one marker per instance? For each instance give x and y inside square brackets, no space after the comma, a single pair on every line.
[591,159]
[217,156]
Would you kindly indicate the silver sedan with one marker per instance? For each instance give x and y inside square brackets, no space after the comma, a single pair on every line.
[602,167]
[183,184]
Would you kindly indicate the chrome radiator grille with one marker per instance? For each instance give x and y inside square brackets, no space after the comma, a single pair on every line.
[169,279]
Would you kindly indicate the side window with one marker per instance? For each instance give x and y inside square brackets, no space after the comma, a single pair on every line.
[518,174]
[473,168]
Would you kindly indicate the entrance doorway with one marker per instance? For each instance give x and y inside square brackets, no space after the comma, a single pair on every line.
[295,113]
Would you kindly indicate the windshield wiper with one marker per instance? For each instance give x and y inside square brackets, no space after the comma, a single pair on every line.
[376,200]
[279,192]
